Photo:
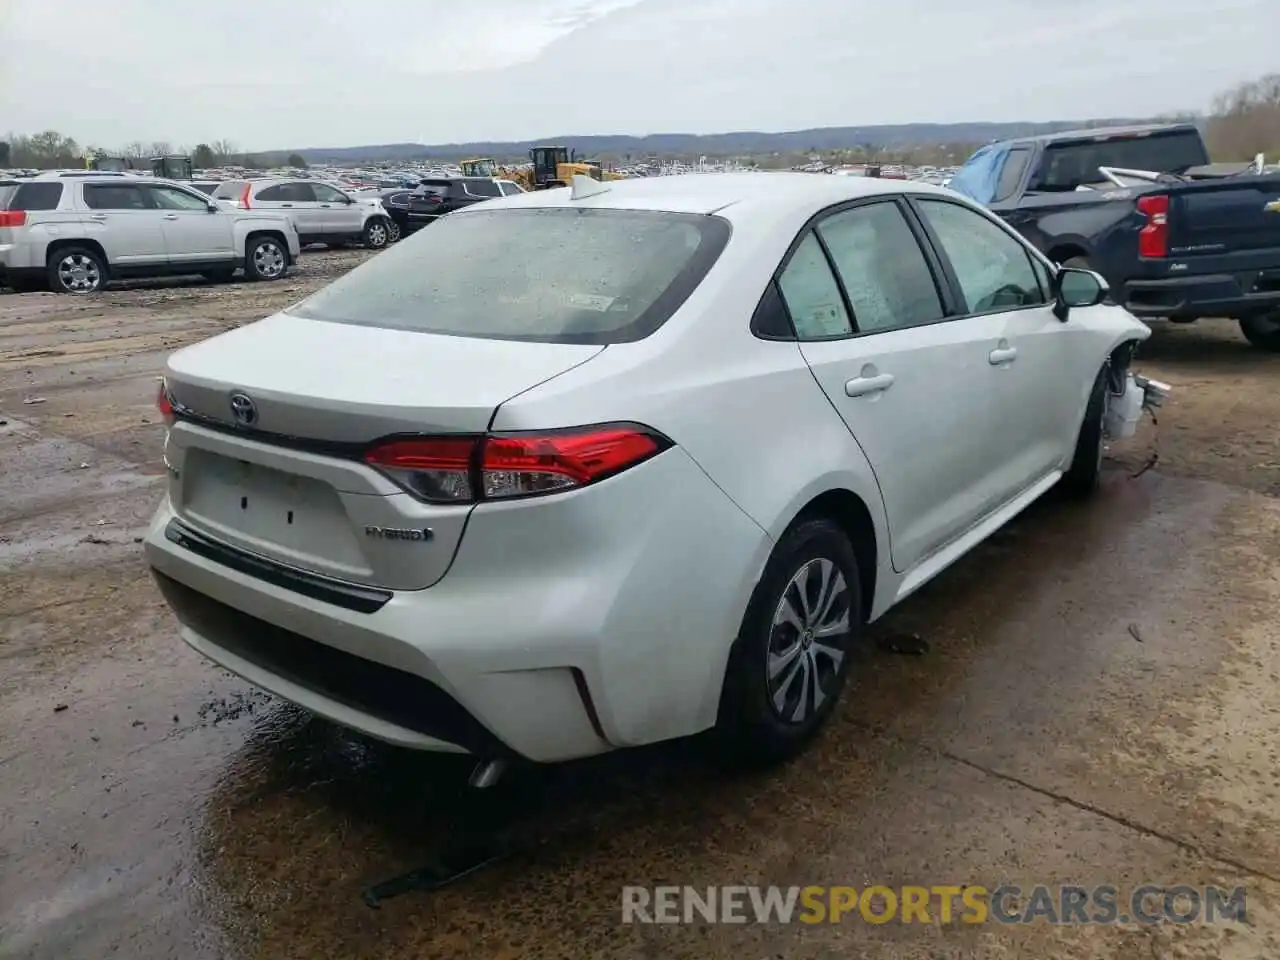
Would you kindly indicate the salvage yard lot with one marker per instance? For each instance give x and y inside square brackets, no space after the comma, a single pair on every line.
[1098,706]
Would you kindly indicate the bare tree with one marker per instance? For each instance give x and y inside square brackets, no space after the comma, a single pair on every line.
[1246,120]
[223,150]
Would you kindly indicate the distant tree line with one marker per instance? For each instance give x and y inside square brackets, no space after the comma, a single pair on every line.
[1242,122]
[51,150]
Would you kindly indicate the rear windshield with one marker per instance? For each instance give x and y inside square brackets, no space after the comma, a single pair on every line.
[230,190]
[564,275]
[30,196]
[1068,165]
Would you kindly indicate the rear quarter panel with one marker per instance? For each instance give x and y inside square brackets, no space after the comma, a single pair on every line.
[748,411]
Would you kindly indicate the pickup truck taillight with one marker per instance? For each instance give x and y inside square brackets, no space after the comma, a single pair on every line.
[13,218]
[244,197]
[1153,239]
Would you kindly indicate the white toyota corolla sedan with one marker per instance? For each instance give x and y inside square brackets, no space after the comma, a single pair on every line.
[604,465]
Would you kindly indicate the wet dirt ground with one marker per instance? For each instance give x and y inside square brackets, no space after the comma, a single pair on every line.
[1097,706]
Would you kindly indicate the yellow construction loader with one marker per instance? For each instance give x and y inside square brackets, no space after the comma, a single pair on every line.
[555,166]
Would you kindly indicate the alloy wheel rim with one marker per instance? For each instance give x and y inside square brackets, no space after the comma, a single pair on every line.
[807,640]
[268,259]
[79,273]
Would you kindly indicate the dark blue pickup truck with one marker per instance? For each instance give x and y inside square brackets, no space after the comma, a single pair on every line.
[1141,206]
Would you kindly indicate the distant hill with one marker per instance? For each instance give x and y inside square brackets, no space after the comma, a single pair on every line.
[711,144]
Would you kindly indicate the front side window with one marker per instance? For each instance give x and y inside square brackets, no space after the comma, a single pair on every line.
[993,268]
[327,194]
[565,275]
[884,271]
[812,295]
[171,198]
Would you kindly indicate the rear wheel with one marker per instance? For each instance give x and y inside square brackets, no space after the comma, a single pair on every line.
[265,259]
[1084,475]
[1264,331]
[78,270]
[792,656]
[376,235]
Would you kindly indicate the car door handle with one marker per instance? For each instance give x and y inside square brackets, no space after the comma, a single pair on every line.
[1002,355]
[171,216]
[326,205]
[865,386]
[100,217]
[286,204]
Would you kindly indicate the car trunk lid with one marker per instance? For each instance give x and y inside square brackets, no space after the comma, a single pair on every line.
[1231,215]
[285,480]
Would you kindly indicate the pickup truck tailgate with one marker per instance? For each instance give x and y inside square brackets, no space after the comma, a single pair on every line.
[1231,215]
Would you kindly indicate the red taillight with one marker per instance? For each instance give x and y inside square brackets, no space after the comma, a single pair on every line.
[164,403]
[501,466]
[13,218]
[1153,239]
[244,196]
[434,198]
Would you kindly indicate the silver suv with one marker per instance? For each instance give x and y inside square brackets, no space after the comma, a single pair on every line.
[322,212]
[73,232]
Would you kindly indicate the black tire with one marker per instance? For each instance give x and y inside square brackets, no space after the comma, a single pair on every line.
[219,276]
[1083,477]
[265,258]
[376,235]
[1262,332]
[751,728]
[76,270]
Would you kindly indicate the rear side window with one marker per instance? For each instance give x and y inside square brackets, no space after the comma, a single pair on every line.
[1068,165]
[884,271]
[481,188]
[230,190]
[114,196]
[565,275]
[812,295]
[31,196]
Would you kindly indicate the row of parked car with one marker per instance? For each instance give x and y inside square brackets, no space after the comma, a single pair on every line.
[73,232]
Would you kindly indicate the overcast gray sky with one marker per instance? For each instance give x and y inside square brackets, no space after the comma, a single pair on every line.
[292,73]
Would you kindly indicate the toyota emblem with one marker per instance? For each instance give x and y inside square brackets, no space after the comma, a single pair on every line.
[244,410]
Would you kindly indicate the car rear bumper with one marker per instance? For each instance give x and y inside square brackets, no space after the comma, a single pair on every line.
[566,626]
[1235,295]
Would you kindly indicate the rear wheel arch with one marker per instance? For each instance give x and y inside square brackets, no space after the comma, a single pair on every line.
[57,245]
[1064,252]
[853,516]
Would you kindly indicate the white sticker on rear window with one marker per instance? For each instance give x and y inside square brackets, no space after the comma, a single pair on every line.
[592,301]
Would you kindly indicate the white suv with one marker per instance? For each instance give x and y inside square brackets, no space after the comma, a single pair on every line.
[73,232]
[322,212]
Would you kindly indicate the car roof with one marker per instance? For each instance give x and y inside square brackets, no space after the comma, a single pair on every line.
[711,192]
[1097,133]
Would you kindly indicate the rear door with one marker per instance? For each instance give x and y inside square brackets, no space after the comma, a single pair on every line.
[910,380]
[294,198]
[192,232]
[121,217]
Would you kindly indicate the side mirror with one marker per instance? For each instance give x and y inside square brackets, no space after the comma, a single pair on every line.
[213,206]
[1075,287]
